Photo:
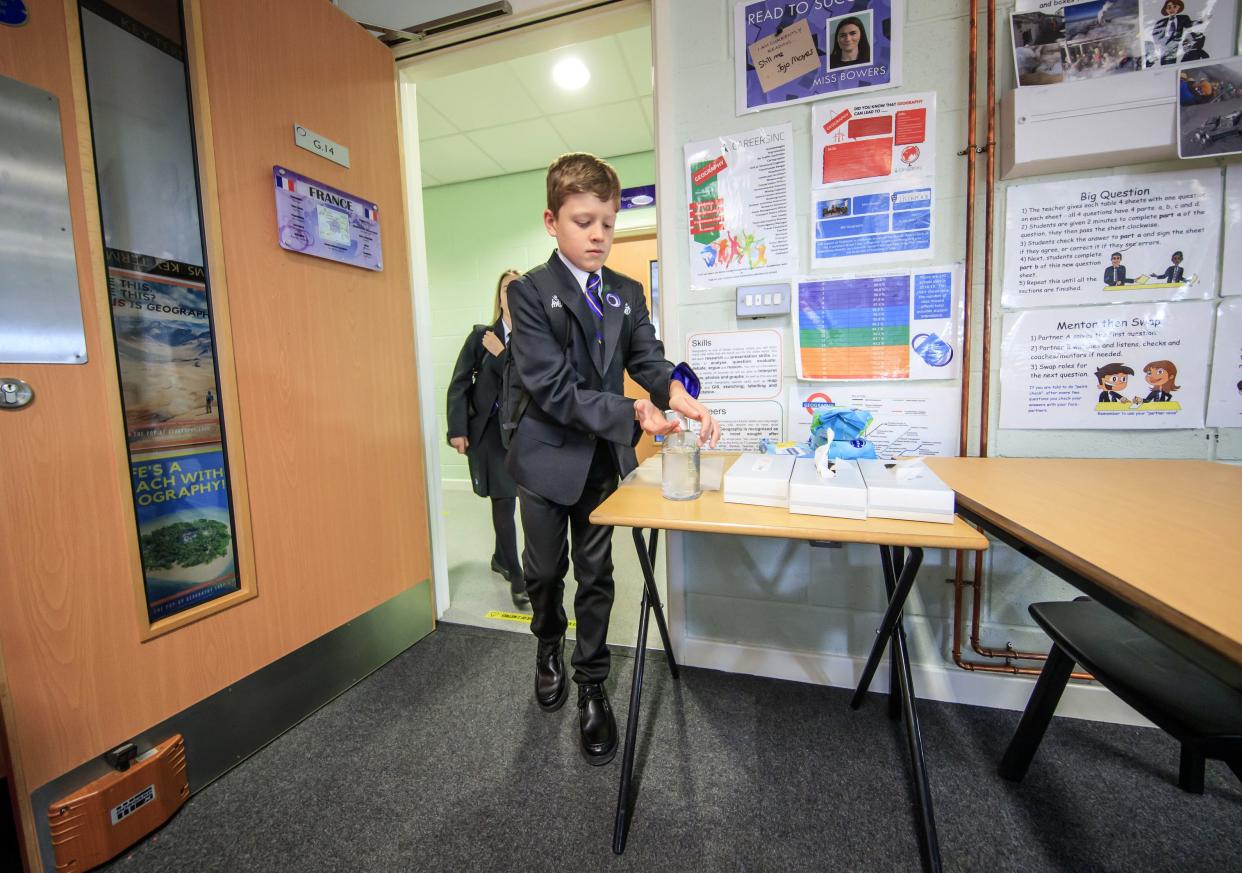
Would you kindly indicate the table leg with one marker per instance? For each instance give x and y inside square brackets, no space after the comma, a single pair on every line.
[892,615]
[650,602]
[899,575]
[646,559]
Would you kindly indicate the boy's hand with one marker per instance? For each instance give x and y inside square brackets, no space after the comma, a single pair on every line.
[460,443]
[652,420]
[681,401]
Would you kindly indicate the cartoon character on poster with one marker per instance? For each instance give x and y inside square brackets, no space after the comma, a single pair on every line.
[1113,378]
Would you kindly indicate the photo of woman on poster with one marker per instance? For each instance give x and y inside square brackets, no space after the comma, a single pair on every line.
[850,44]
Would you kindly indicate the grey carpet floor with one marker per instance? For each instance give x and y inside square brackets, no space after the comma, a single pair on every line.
[442,761]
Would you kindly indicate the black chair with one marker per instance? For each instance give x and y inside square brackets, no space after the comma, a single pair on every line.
[1200,711]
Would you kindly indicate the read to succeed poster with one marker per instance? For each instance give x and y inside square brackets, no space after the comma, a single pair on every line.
[794,52]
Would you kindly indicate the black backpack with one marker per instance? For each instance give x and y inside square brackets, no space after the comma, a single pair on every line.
[513,397]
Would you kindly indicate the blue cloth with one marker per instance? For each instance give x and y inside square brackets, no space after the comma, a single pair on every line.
[846,424]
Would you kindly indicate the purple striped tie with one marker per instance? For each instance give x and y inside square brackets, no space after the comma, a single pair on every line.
[596,304]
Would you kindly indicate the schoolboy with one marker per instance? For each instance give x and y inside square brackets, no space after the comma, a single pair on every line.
[1111,379]
[577,327]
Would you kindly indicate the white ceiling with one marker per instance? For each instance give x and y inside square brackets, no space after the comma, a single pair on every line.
[509,117]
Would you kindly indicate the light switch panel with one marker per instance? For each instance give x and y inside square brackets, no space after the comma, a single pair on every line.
[762,301]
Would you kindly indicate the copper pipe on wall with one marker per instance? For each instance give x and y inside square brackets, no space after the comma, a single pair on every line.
[1009,653]
[968,269]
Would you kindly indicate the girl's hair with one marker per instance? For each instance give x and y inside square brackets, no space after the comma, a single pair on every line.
[1171,369]
[864,45]
[499,282]
[1181,7]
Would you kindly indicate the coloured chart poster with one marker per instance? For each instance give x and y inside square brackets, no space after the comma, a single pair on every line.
[880,326]
[866,140]
[880,223]
[789,53]
[1154,236]
[1130,367]
[906,419]
[1225,400]
[315,219]
[741,207]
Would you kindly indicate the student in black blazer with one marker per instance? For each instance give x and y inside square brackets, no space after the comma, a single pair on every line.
[1115,274]
[578,327]
[474,430]
[1174,272]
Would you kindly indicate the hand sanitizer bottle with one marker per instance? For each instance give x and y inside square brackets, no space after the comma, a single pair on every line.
[680,460]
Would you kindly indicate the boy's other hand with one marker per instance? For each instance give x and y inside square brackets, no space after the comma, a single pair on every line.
[652,420]
[460,443]
[493,343]
[681,401]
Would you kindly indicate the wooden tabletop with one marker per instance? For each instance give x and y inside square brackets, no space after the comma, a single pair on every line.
[639,503]
[1165,536]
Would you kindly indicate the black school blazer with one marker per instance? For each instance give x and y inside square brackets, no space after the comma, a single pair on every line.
[578,397]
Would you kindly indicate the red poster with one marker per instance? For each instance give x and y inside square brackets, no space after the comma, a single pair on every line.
[875,126]
[911,126]
[857,160]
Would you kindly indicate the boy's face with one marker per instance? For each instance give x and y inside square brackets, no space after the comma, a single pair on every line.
[1114,382]
[1116,259]
[583,229]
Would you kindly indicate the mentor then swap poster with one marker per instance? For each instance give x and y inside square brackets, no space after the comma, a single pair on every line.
[795,52]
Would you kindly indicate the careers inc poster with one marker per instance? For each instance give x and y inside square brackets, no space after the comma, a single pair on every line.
[794,52]
[1154,236]
[741,207]
[1128,367]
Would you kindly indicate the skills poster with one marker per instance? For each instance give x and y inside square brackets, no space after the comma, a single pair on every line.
[741,207]
[737,364]
[901,325]
[1132,367]
[906,419]
[1225,401]
[1154,236]
[794,52]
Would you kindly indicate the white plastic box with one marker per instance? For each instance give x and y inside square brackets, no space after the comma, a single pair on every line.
[924,498]
[841,496]
[760,480]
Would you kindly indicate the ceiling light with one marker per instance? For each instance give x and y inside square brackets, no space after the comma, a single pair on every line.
[571,74]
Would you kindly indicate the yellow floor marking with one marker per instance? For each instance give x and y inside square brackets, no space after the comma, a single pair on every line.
[517,616]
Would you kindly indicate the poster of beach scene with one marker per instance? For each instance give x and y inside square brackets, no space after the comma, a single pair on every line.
[164,349]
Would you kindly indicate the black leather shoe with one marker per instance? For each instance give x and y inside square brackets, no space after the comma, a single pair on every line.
[498,567]
[597,724]
[551,686]
[517,590]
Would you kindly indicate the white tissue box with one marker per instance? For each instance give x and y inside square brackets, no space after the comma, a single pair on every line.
[924,498]
[761,480]
[841,496]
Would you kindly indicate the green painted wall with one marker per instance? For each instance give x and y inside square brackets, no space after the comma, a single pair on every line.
[474,231]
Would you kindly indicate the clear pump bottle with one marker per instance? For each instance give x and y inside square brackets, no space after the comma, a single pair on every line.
[680,460]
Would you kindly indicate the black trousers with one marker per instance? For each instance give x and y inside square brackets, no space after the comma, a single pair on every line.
[546,561]
[505,550]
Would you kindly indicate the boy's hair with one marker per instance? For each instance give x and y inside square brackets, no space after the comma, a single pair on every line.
[1112,370]
[1114,255]
[581,173]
